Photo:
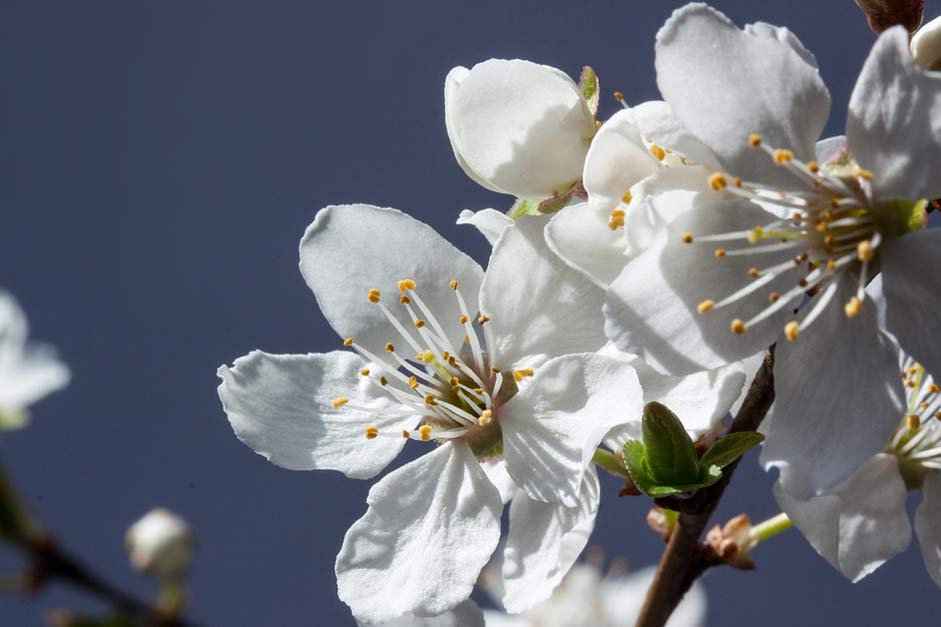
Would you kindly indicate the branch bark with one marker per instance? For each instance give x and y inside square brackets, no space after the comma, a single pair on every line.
[686,557]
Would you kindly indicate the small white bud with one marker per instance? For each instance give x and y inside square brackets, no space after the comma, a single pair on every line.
[160,543]
[926,45]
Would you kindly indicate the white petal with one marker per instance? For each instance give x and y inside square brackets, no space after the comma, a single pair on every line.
[656,120]
[894,122]
[467,614]
[859,524]
[350,249]
[651,309]
[281,407]
[830,148]
[616,161]
[839,399]
[430,527]
[13,327]
[784,35]
[495,469]
[623,598]
[539,307]
[928,526]
[493,618]
[518,127]
[489,222]
[36,372]
[552,427]
[544,541]
[926,45]
[912,297]
[725,84]
[587,244]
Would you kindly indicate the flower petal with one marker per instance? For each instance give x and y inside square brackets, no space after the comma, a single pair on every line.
[894,122]
[912,297]
[36,372]
[587,244]
[928,526]
[351,249]
[710,72]
[518,127]
[544,541]
[831,148]
[651,309]
[495,470]
[926,45]
[655,119]
[281,407]
[552,427]
[430,527]
[839,399]
[539,307]
[859,524]
[467,614]
[490,222]
[616,161]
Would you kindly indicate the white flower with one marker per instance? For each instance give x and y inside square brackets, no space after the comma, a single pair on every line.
[160,543]
[860,523]
[28,370]
[926,45]
[517,127]
[517,384]
[723,280]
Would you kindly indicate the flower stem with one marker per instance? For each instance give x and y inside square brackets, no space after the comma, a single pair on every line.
[607,460]
[770,528]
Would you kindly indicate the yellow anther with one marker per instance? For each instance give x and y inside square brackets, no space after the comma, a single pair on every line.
[910,383]
[913,422]
[372,432]
[737,182]
[705,306]
[831,265]
[790,330]
[464,319]
[455,382]
[864,174]
[773,297]
[419,324]
[339,402]
[479,390]
[597,124]
[865,251]
[835,203]
[383,381]
[853,307]
[390,347]
[430,400]
[406,284]
[405,300]
[494,370]
[753,273]
[406,433]
[813,166]
[912,371]
[617,220]
[452,360]
[797,218]
[738,327]
[373,295]
[428,356]
[719,253]
[755,234]
[486,417]
[453,285]
[413,382]
[483,319]
[425,432]
[364,372]
[627,198]
[521,374]
[782,156]
[446,356]
[828,240]
[687,238]
[619,96]
[348,341]
[718,182]
[658,152]
[754,139]
[822,226]
[933,389]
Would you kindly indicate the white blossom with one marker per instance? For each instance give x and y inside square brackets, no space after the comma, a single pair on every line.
[160,543]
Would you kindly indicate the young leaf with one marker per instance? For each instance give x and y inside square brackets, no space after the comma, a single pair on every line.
[671,458]
[591,88]
[523,207]
[730,448]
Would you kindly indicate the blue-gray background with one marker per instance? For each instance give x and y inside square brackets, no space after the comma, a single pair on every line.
[159,163]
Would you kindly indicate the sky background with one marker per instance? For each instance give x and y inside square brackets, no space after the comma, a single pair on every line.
[159,164]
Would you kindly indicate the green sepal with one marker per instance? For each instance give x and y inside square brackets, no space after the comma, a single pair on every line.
[523,207]
[730,448]
[670,455]
[907,216]
[590,88]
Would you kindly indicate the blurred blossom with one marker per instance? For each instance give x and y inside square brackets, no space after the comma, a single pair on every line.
[926,45]
[161,543]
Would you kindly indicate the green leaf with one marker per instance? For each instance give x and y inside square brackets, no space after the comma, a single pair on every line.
[730,448]
[670,455]
[591,88]
[523,207]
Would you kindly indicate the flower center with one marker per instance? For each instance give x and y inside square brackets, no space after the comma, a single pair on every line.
[917,443]
[456,389]
[829,227]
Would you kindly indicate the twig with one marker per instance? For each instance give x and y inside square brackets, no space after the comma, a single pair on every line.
[685,557]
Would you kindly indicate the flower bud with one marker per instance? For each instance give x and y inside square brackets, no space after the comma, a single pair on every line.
[160,543]
[926,45]
[884,14]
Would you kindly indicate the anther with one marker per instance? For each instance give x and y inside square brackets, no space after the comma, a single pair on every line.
[521,374]
[348,342]
[373,295]
[705,306]
[619,96]
[755,140]
[719,253]
[853,307]
[738,327]
[405,300]
[913,422]
[782,156]
[383,381]
[453,285]
[413,382]
[658,152]
[617,220]
[865,251]
[597,124]
[455,382]
[753,273]
[425,432]
[389,347]
[419,324]
[486,417]
[773,297]
[494,370]
[364,372]
[737,182]
[864,174]
[626,198]
[813,166]
[718,182]
[484,318]
[464,320]
[687,238]
[428,356]
[339,402]
[406,284]
[790,330]
[831,264]
[933,389]
[430,400]
[372,432]
[406,434]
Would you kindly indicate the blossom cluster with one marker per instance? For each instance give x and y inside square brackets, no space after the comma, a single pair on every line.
[647,260]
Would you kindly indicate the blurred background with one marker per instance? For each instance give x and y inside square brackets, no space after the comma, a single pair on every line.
[159,164]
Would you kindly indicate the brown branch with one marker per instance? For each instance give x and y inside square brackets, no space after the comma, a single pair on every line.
[685,557]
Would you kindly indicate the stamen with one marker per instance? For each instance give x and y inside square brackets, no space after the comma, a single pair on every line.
[705,306]
[687,238]
[521,374]
[406,284]
[782,156]
[790,330]
[617,220]
[373,295]
[755,140]
[718,182]
[658,152]
[339,402]
[372,432]
[738,327]
[853,307]
[485,418]
[627,197]
[425,432]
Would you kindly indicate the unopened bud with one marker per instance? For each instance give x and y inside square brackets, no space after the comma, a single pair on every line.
[884,14]
[732,542]
[926,45]
[160,543]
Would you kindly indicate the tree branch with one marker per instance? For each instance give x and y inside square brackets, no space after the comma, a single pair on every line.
[685,557]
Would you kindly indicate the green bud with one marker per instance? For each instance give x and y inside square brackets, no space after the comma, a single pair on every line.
[590,88]
[671,457]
